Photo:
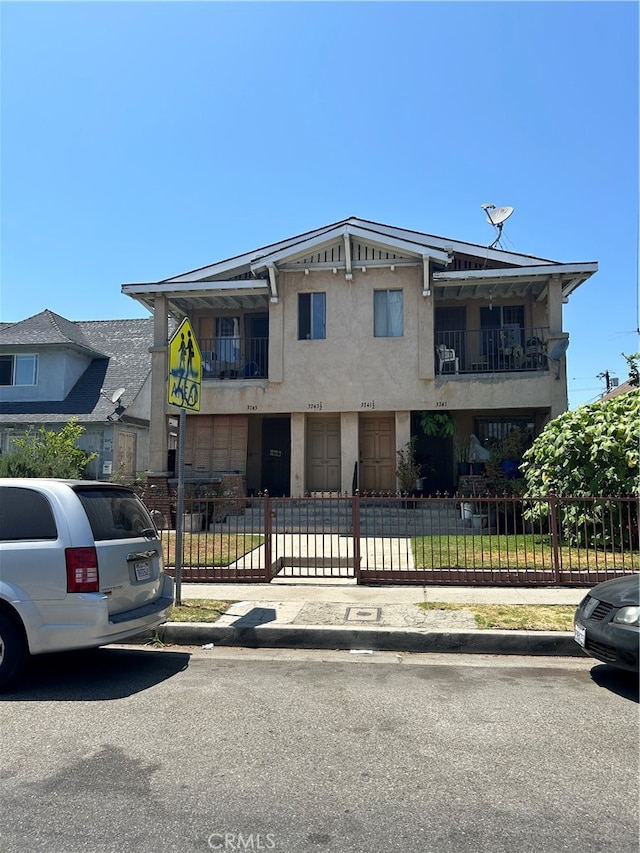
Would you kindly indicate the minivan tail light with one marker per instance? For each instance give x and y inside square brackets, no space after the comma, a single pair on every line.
[82,570]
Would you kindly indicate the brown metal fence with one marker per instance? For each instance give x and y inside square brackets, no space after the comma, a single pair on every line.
[393,540]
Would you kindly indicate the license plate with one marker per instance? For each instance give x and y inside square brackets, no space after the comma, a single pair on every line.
[142,570]
[580,634]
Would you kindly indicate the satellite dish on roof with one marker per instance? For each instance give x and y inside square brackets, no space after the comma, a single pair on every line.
[117,394]
[498,215]
[558,349]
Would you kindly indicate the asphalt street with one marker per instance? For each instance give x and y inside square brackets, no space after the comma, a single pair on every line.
[138,749]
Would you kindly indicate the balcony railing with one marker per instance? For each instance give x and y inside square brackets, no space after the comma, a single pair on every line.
[506,350]
[235,358]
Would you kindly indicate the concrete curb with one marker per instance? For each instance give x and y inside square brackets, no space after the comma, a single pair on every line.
[547,643]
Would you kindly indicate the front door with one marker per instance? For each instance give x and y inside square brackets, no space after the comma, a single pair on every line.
[323,454]
[276,456]
[126,454]
[377,454]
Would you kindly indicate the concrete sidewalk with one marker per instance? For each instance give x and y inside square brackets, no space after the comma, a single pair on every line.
[342,615]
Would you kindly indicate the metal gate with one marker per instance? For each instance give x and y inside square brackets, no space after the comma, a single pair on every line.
[392,540]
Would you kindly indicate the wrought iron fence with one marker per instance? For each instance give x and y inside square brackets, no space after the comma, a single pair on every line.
[394,540]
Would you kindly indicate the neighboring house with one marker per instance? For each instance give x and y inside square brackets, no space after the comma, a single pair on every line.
[320,352]
[98,372]
[624,388]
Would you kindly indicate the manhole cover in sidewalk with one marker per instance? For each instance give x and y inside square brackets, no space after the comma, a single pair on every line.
[363,614]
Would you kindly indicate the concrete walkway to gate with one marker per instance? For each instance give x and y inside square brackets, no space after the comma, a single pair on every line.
[329,555]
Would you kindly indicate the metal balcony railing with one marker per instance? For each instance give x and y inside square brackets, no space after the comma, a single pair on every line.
[235,358]
[509,349]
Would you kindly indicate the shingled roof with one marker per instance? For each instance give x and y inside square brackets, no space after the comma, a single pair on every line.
[45,329]
[121,360]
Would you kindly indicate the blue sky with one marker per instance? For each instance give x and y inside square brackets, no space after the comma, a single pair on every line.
[142,140]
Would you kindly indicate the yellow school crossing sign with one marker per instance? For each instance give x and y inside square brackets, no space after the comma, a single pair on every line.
[185,368]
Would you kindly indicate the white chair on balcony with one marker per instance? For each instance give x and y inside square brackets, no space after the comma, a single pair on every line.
[446,355]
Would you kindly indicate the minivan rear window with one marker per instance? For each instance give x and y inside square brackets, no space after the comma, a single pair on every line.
[115,513]
[25,515]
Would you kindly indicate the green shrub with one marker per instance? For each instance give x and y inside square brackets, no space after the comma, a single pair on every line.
[47,453]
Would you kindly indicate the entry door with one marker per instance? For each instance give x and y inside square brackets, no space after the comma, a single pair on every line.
[323,454]
[127,453]
[377,454]
[276,456]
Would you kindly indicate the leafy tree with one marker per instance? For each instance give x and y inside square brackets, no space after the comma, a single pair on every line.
[633,361]
[592,451]
[47,453]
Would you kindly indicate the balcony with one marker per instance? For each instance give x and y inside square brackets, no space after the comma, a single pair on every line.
[235,358]
[510,349]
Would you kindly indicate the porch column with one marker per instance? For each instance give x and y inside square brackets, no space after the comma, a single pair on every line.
[158,420]
[403,429]
[349,450]
[557,369]
[276,341]
[298,473]
[555,305]
[426,337]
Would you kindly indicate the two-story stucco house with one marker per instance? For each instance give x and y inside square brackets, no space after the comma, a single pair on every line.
[97,371]
[320,352]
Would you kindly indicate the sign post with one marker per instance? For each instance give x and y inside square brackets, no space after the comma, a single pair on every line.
[183,390]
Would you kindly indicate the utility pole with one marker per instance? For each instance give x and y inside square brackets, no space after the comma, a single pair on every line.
[610,381]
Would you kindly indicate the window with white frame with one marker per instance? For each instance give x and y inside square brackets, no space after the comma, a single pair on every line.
[18,369]
[388,314]
[311,316]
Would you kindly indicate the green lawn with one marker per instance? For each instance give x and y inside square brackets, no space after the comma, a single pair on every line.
[527,551]
[209,549]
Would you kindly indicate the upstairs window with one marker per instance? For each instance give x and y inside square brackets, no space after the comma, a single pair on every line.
[311,316]
[388,314]
[18,369]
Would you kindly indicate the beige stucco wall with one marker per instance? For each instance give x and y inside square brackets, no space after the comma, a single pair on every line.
[351,372]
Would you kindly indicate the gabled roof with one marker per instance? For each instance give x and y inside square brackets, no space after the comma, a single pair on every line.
[459,270]
[121,360]
[412,241]
[45,329]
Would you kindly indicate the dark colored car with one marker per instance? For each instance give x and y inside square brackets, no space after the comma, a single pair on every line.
[606,622]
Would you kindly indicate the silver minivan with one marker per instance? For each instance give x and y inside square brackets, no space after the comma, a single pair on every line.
[81,565]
